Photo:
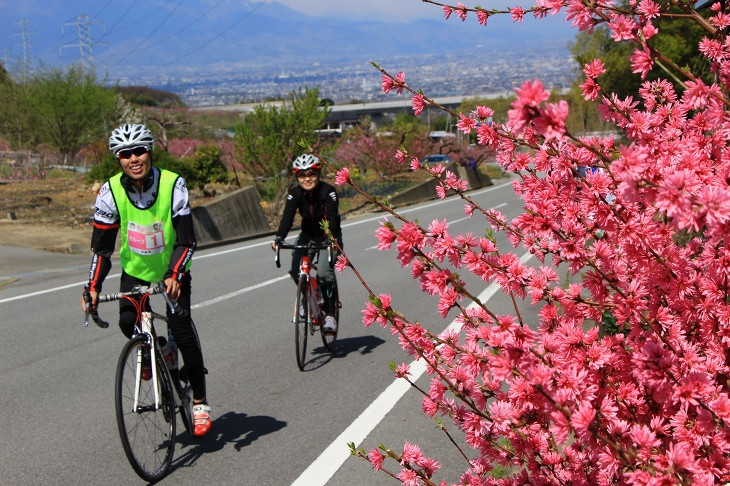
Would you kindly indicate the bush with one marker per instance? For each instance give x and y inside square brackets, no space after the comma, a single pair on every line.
[109,166]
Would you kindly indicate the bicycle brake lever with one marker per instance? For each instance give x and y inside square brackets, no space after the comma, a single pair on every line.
[173,305]
[276,258]
[94,315]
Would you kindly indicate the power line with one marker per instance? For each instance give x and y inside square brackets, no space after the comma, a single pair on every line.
[121,17]
[183,29]
[149,35]
[245,16]
[96,16]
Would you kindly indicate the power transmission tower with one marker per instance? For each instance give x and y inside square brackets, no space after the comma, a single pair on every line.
[25,66]
[85,43]
[6,58]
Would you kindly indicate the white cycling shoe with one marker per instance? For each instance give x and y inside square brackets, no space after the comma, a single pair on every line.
[330,324]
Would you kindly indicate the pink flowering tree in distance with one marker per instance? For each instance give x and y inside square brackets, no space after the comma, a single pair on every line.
[565,400]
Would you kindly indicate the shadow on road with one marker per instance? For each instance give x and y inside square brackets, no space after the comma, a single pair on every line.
[236,428]
[343,348]
[361,344]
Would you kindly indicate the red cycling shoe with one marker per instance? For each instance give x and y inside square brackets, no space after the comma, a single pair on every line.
[201,419]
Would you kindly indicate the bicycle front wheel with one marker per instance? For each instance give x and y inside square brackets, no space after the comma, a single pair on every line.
[301,317]
[147,430]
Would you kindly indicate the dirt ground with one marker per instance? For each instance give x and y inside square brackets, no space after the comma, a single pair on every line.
[53,214]
[56,213]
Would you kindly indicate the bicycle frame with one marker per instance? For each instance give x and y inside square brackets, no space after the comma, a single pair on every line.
[144,326]
[305,268]
[146,405]
[315,309]
[308,301]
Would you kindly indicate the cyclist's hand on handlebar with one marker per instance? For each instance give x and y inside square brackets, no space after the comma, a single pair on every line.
[172,288]
[276,243]
[92,297]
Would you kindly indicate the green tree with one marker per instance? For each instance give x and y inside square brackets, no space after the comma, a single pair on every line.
[407,127]
[207,166]
[69,109]
[16,125]
[268,140]
[677,40]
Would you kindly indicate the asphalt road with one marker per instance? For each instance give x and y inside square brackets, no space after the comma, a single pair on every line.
[273,424]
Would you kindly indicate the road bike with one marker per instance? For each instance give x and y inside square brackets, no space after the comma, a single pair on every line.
[308,313]
[149,386]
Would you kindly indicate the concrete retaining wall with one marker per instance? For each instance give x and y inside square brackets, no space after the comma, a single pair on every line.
[239,215]
[427,190]
[229,217]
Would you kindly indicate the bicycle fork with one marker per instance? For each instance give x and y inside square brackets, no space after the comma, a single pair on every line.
[314,314]
[146,328]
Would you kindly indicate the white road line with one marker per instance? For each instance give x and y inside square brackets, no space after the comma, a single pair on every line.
[239,292]
[331,459]
[246,247]
[78,285]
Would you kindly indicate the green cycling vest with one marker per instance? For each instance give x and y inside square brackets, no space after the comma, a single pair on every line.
[147,235]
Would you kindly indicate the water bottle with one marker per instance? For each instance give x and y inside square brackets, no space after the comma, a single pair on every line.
[169,351]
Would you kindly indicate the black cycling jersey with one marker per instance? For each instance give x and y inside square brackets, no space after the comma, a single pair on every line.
[320,204]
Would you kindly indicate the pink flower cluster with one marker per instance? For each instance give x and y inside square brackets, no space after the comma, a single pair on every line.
[624,377]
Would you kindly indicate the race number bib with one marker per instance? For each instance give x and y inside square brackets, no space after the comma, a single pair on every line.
[145,240]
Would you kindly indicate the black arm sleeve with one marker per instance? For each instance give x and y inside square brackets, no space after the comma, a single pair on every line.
[184,247]
[332,212]
[287,218]
[103,239]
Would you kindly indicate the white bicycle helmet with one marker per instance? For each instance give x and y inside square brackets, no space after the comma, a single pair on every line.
[131,135]
[306,162]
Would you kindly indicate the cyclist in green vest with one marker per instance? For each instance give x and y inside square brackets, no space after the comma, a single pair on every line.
[152,209]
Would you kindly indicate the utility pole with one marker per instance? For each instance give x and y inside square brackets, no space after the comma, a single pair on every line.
[84,41]
[25,67]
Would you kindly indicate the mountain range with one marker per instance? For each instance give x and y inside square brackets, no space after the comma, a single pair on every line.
[127,37]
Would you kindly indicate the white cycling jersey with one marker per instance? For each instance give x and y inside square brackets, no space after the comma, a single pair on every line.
[105,208]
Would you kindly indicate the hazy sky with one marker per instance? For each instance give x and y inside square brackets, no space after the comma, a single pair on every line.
[396,10]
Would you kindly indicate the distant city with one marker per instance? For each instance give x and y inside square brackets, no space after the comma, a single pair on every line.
[475,73]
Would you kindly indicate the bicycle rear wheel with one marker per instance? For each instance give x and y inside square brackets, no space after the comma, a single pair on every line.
[329,338]
[300,321]
[147,432]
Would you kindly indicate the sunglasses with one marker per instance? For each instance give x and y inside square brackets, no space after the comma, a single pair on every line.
[309,173]
[127,153]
